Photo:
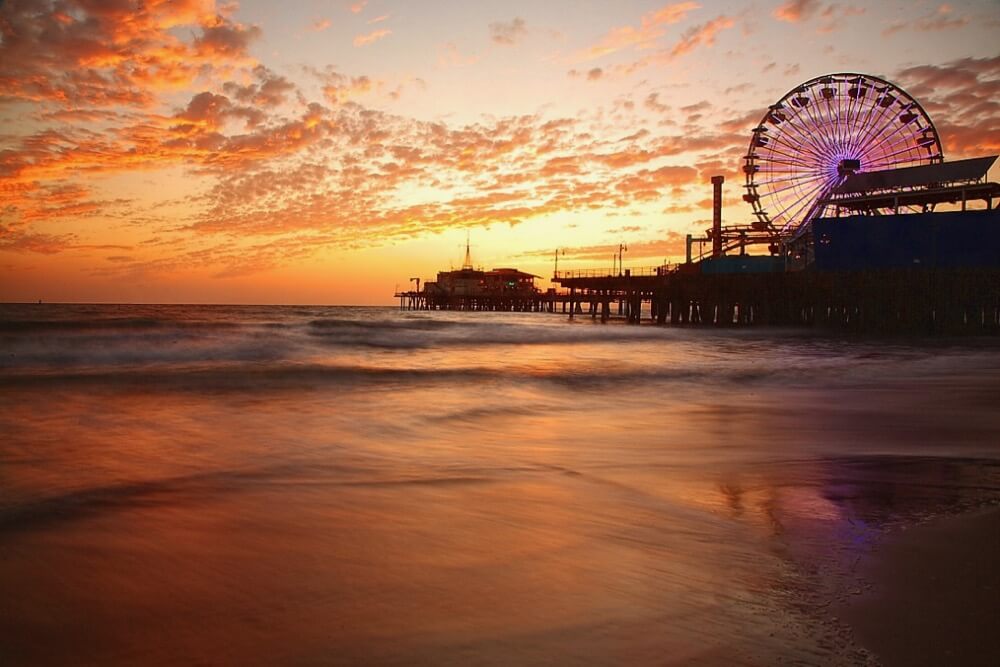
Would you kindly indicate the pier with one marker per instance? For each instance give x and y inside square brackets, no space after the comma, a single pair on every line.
[858,241]
[913,300]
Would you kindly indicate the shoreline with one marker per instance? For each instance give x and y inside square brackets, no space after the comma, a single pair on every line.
[934,594]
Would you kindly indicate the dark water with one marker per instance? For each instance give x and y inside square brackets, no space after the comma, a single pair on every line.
[300,485]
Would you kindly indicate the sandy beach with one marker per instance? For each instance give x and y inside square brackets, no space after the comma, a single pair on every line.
[934,596]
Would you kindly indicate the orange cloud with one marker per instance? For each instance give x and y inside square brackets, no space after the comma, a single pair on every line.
[962,95]
[15,240]
[339,88]
[286,176]
[650,29]
[796,10]
[79,54]
[701,35]
[225,40]
[648,184]
[266,88]
[374,36]
[672,246]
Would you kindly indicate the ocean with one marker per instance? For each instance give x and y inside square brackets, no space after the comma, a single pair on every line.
[336,485]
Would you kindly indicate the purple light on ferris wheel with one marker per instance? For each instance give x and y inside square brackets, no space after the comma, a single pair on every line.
[822,131]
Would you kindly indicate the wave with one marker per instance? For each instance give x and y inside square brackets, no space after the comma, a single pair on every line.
[254,377]
[81,504]
[249,376]
[108,323]
[383,324]
[227,345]
[135,350]
[430,334]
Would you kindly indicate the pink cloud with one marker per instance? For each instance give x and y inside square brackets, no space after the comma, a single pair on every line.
[508,33]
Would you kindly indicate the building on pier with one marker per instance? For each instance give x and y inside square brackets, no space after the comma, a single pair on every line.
[469,288]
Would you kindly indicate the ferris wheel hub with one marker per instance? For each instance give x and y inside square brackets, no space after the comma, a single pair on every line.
[849,166]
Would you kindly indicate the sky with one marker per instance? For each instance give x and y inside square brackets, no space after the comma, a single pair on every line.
[195,151]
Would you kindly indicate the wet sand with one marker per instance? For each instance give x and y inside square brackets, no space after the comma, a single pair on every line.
[934,596]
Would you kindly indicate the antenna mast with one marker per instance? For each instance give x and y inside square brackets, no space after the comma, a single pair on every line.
[467,264]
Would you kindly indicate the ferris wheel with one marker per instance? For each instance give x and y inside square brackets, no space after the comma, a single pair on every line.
[824,130]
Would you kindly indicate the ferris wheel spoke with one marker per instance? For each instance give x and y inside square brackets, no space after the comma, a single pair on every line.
[809,126]
[787,176]
[784,170]
[887,162]
[891,139]
[790,178]
[798,125]
[775,148]
[796,188]
[804,148]
[803,201]
[791,153]
[887,146]
[886,143]
[823,119]
[862,112]
[882,156]
[822,125]
[873,129]
[828,110]
[806,203]
[842,116]
[882,119]
[791,159]
[889,151]
[789,134]
[791,183]
[852,122]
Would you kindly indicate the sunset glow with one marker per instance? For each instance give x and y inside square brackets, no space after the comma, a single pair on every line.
[324,152]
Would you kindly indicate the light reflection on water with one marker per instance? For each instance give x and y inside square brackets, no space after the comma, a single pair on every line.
[612,495]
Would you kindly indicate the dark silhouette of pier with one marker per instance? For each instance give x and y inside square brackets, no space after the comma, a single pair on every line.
[888,300]
[858,241]
[891,300]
